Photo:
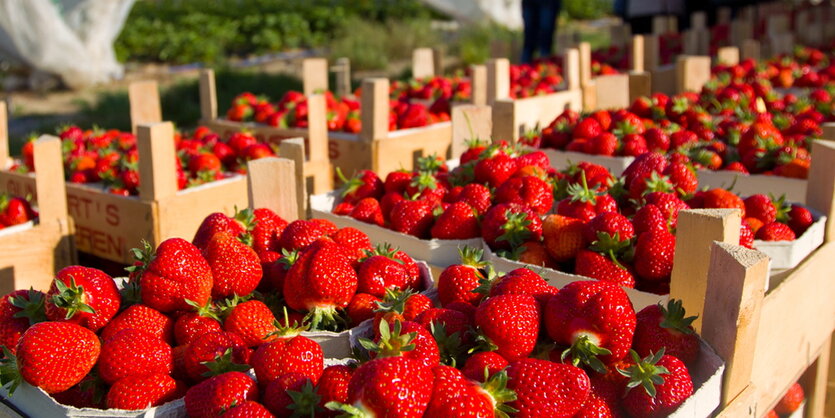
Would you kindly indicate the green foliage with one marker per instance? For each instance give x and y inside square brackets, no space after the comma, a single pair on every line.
[587,9]
[473,45]
[371,45]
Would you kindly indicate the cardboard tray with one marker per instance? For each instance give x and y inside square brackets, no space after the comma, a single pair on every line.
[788,254]
[750,184]
[17,228]
[441,253]
[562,159]
[34,402]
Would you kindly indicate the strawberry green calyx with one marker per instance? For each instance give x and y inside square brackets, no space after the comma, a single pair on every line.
[485,283]
[423,181]
[245,217]
[472,257]
[782,207]
[288,258]
[143,258]
[585,350]
[31,307]
[449,345]
[9,373]
[223,363]
[348,411]
[289,330]
[324,318]
[581,192]
[394,300]
[71,298]
[385,250]
[350,185]
[658,183]
[516,229]
[674,318]
[500,395]
[207,311]
[305,401]
[430,164]
[612,246]
[393,342]
[644,372]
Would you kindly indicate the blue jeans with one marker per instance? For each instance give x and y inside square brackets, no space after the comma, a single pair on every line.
[540,17]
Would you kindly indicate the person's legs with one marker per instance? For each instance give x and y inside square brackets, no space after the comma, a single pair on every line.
[530,12]
[547,26]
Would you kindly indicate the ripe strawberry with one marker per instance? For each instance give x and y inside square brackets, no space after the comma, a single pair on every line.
[523,281]
[268,227]
[321,281]
[172,275]
[219,222]
[643,166]
[389,386]
[746,236]
[252,321]
[397,181]
[247,409]
[140,392]
[424,186]
[142,318]
[458,221]
[299,234]
[224,349]
[132,352]
[333,386]
[18,311]
[546,389]
[603,400]
[669,204]
[220,393]
[236,268]
[483,365]
[353,239]
[400,305]
[455,395]
[604,144]
[587,128]
[649,218]
[365,184]
[776,231]
[458,282]
[608,225]
[189,326]
[84,296]
[288,354]
[601,267]
[476,195]
[53,356]
[657,140]
[368,210]
[495,170]
[800,219]
[649,398]
[563,236]
[403,338]
[654,254]
[506,225]
[682,177]
[721,198]
[791,400]
[361,307]
[660,327]
[595,319]
[529,190]
[412,217]
[761,207]
[509,324]
[278,399]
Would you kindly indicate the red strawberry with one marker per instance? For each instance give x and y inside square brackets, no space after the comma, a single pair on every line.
[219,222]
[458,221]
[649,218]
[455,395]
[397,181]
[485,362]
[333,386]
[368,210]
[132,352]
[761,207]
[389,386]
[191,325]
[529,190]
[601,267]
[595,319]
[407,339]
[608,225]
[476,195]
[604,144]
[53,356]
[247,409]
[546,389]
[800,219]
[496,169]
[587,128]
[220,393]
[643,166]
[563,236]
[139,392]
[381,271]
[776,231]
[299,234]
[523,281]
[252,321]
[510,324]
[84,296]
[236,268]
[321,281]
[361,307]
[791,400]
[682,177]
[657,140]
[353,239]
[746,235]
[365,184]
[142,318]
[225,349]
[176,273]
[291,354]
[603,401]
[412,217]
[268,227]
[278,399]
[722,199]
[507,225]
[18,311]
[666,328]
[458,282]
[648,398]
[654,254]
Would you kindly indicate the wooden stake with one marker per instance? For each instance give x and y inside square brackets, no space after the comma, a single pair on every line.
[585,63]
[342,72]
[638,50]
[612,91]
[470,122]
[820,191]
[423,63]
[751,49]
[157,161]
[49,179]
[696,232]
[571,70]
[723,15]
[736,282]
[317,127]
[728,55]
[208,95]
[659,25]
[698,20]
[438,60]
[498,79]
[815,383]
[4,135]
[375,109]
[640,85]
[293,150]
[692,73]
[315,75]
[271,184]
[144,101]
[478,81]
[652,54]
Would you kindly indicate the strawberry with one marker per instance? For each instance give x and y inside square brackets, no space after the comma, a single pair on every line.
[658,385]
[604,144]
[174,274]
[657,140]
[252,321]
[603,400]
[523,281]
[643,166]
[791,400]
[288,354]
[220,393]
[268,227]
[458,221]
[509,324]
[401,305]
[333,386]
[483,365]
[219,222]
[595,319]
[532,253]
[353,239]
[321,281]
[299,234]
[142,318]
[388,386]
[368,210]
[290,393]
[403,338]
[361,307]
[476,195]
[608,225]
[746,235]
[132,352]
[223,351]
[507,225]
[381,271]
[236,268]
[18,311]
[412,217]
[775,231]
[601,267]
[761,207]
[447,324]
[546,389]
[365,184]
[529,190]
[53,356]
[800,219]
[139,392]
[424,186]
[458,282]
[649,218]
[654,254]
[682,177]
[721,198]
[397,181]
[495,169]
[587,128]
[455,395]
[247,409]
[191,325]
[563,236]
[84,296]
[660,327]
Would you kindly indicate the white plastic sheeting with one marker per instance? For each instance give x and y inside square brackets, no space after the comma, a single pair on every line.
[504,12]
[72,39]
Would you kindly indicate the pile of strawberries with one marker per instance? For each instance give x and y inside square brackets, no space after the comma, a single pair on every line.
[789,403]
[15,210]
[112,158]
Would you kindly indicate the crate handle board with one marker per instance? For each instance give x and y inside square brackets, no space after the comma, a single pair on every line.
[145,104]
[208,95]
[820,192]
[4,135]
[157,161]
[498,79]
[478,84]
[314,75]
[49,179]
[423,63]
[271,184]
[470,122]
[342,74]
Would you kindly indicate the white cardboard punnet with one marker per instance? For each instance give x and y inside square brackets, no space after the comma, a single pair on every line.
[750,184]
[788,254]
[563,159]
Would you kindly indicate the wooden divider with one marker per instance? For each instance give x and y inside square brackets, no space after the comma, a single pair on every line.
[272,184]
[469,122]
[423,63]
[314,75]
[478,84]
[498,79]
[342,73]
[4,135]
[144,101]
[158,162]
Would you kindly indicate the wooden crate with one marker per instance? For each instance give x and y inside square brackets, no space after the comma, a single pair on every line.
[375,147]
[31,256]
